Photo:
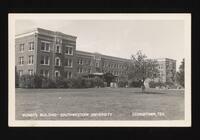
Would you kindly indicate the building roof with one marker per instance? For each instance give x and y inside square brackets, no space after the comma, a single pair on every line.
[164,59]
[45,32]
[84,53]
[102,56]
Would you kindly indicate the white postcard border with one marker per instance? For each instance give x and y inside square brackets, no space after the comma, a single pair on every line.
[12,17]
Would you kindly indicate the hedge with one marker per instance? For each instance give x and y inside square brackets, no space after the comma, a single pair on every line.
[135,84]
[37,81]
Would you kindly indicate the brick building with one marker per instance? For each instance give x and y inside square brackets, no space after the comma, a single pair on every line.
[167,69]
[53,54]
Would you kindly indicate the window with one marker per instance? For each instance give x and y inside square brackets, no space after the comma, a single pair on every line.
[57,74]
[45,46]
[68,63]
[30,72]
[69,50]
[31,46]
[44,73]
[80,61]
[97,57]
[58,49]
[21,60]
[80,70]
[103,64]
[20,72]
[68,74]
[89,70]
[21,47]
[97,64]
[30,59]
[44,60]
[89,62]
[58,41]
[57,61]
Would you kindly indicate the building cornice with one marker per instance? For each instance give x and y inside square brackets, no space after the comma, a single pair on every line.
[41,31]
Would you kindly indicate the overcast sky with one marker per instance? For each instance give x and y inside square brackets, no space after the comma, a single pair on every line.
[120,38]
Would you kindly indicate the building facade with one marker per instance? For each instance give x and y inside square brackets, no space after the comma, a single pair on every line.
[167,70]
[53,54]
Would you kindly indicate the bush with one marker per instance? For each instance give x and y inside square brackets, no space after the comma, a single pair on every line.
[38,81]
[26,81]
[153,84]
[135,84]
[89,83]
[68,83]
[16,79]
[77,82]
[170,85]
[60,82]
[122,83]
[51,83]
[98,82]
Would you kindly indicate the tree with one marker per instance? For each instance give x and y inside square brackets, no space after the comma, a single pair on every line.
[180,74]
[123,80]
[142,68]
[108,77]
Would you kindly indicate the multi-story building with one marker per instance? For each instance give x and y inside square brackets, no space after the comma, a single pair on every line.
[167,69]
[45,52]
[53,54]
[98,63]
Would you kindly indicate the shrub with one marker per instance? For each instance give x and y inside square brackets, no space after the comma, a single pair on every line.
[170,85]
[122,83]
[76,82]
[153,84]
[68,83]
[60,82]
[135,83]
[98,82]
[92,82]
[51,83]
[38,81]
[26,81]
[88,83]
[16,79]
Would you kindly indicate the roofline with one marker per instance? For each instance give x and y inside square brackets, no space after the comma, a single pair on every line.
[84,53]
[165,58]
[39,31]
[110,57]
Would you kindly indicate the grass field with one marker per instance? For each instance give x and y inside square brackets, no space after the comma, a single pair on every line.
[118,103]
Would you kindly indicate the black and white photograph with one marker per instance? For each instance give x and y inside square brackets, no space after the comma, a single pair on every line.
[100,70]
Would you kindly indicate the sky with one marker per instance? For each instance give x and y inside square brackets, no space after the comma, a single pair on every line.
[120,38]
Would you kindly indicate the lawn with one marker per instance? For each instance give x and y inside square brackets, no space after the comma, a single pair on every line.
[99,104]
